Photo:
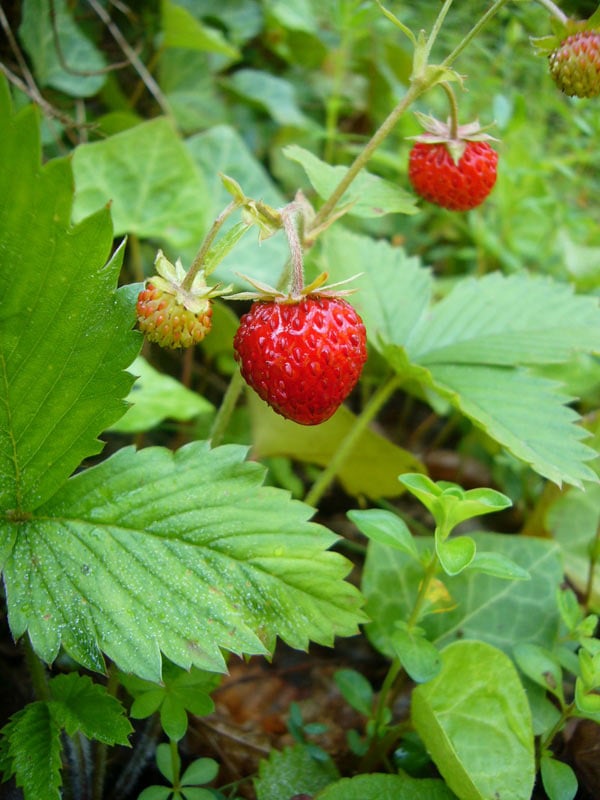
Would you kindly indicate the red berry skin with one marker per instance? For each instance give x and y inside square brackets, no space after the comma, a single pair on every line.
[461,186]
[302,358]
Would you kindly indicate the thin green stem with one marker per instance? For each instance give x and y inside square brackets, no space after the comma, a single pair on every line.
[37,671]
[553,9]
[206,244]
[175,763]
[557,727]
[492,10]
[428,576]
[101,749]
[453,109]
[370,411]
[437,26]
[589,586]
[228,403]
[363,157]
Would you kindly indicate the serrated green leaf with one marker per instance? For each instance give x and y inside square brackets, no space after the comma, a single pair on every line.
[30,750]
[394,291]
[62,376]
[487,608]
[292,771]
[79,705]
[370,195]
[41,24]
[520,319]
[525,413]
[386,787]
[386,528]
[182,29]
[182,552]
[475,721]
[154,188]
[370,469]
[155,397]
[470,346]
[560,782]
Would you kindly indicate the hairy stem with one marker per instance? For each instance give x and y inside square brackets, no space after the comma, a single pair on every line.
[453,109]
[288,217]
[363,157]
[377,401]
[206,244]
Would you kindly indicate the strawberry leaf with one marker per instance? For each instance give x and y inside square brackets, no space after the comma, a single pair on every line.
[79,705]
[182,552]
[30,750]
[474,346]
[370,195]
[64,330]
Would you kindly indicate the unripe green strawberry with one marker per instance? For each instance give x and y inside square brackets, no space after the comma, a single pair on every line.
[575,64]
[171,314]
[303,357]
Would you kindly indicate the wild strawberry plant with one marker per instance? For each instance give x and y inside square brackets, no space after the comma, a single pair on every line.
[147,567]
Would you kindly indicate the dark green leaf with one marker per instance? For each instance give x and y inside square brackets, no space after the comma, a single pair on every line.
[202,770]
[79,705]
[62,374]
[292,771]
[355,689]
[560,782]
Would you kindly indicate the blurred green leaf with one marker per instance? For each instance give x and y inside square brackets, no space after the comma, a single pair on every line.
[355,689]
[540,666]
[370,195]
[273,94]
[181,29]
[494,753]
[560,782]
[154,188]
[419,657]
[156,397]
[371,467]
[491,609]
[60,51]
[292,771]
[386,787]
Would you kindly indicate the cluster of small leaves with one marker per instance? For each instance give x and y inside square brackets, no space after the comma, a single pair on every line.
[30,747]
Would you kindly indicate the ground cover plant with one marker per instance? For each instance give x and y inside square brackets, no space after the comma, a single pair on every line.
[299,431]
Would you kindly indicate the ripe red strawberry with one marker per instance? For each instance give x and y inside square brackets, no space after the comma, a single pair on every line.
[171,315]
[302,357]
[453,169]
[575,64]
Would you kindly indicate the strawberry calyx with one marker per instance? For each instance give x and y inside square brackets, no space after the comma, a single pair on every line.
[317,288]
[170,279]
[454,137]
[561,30]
